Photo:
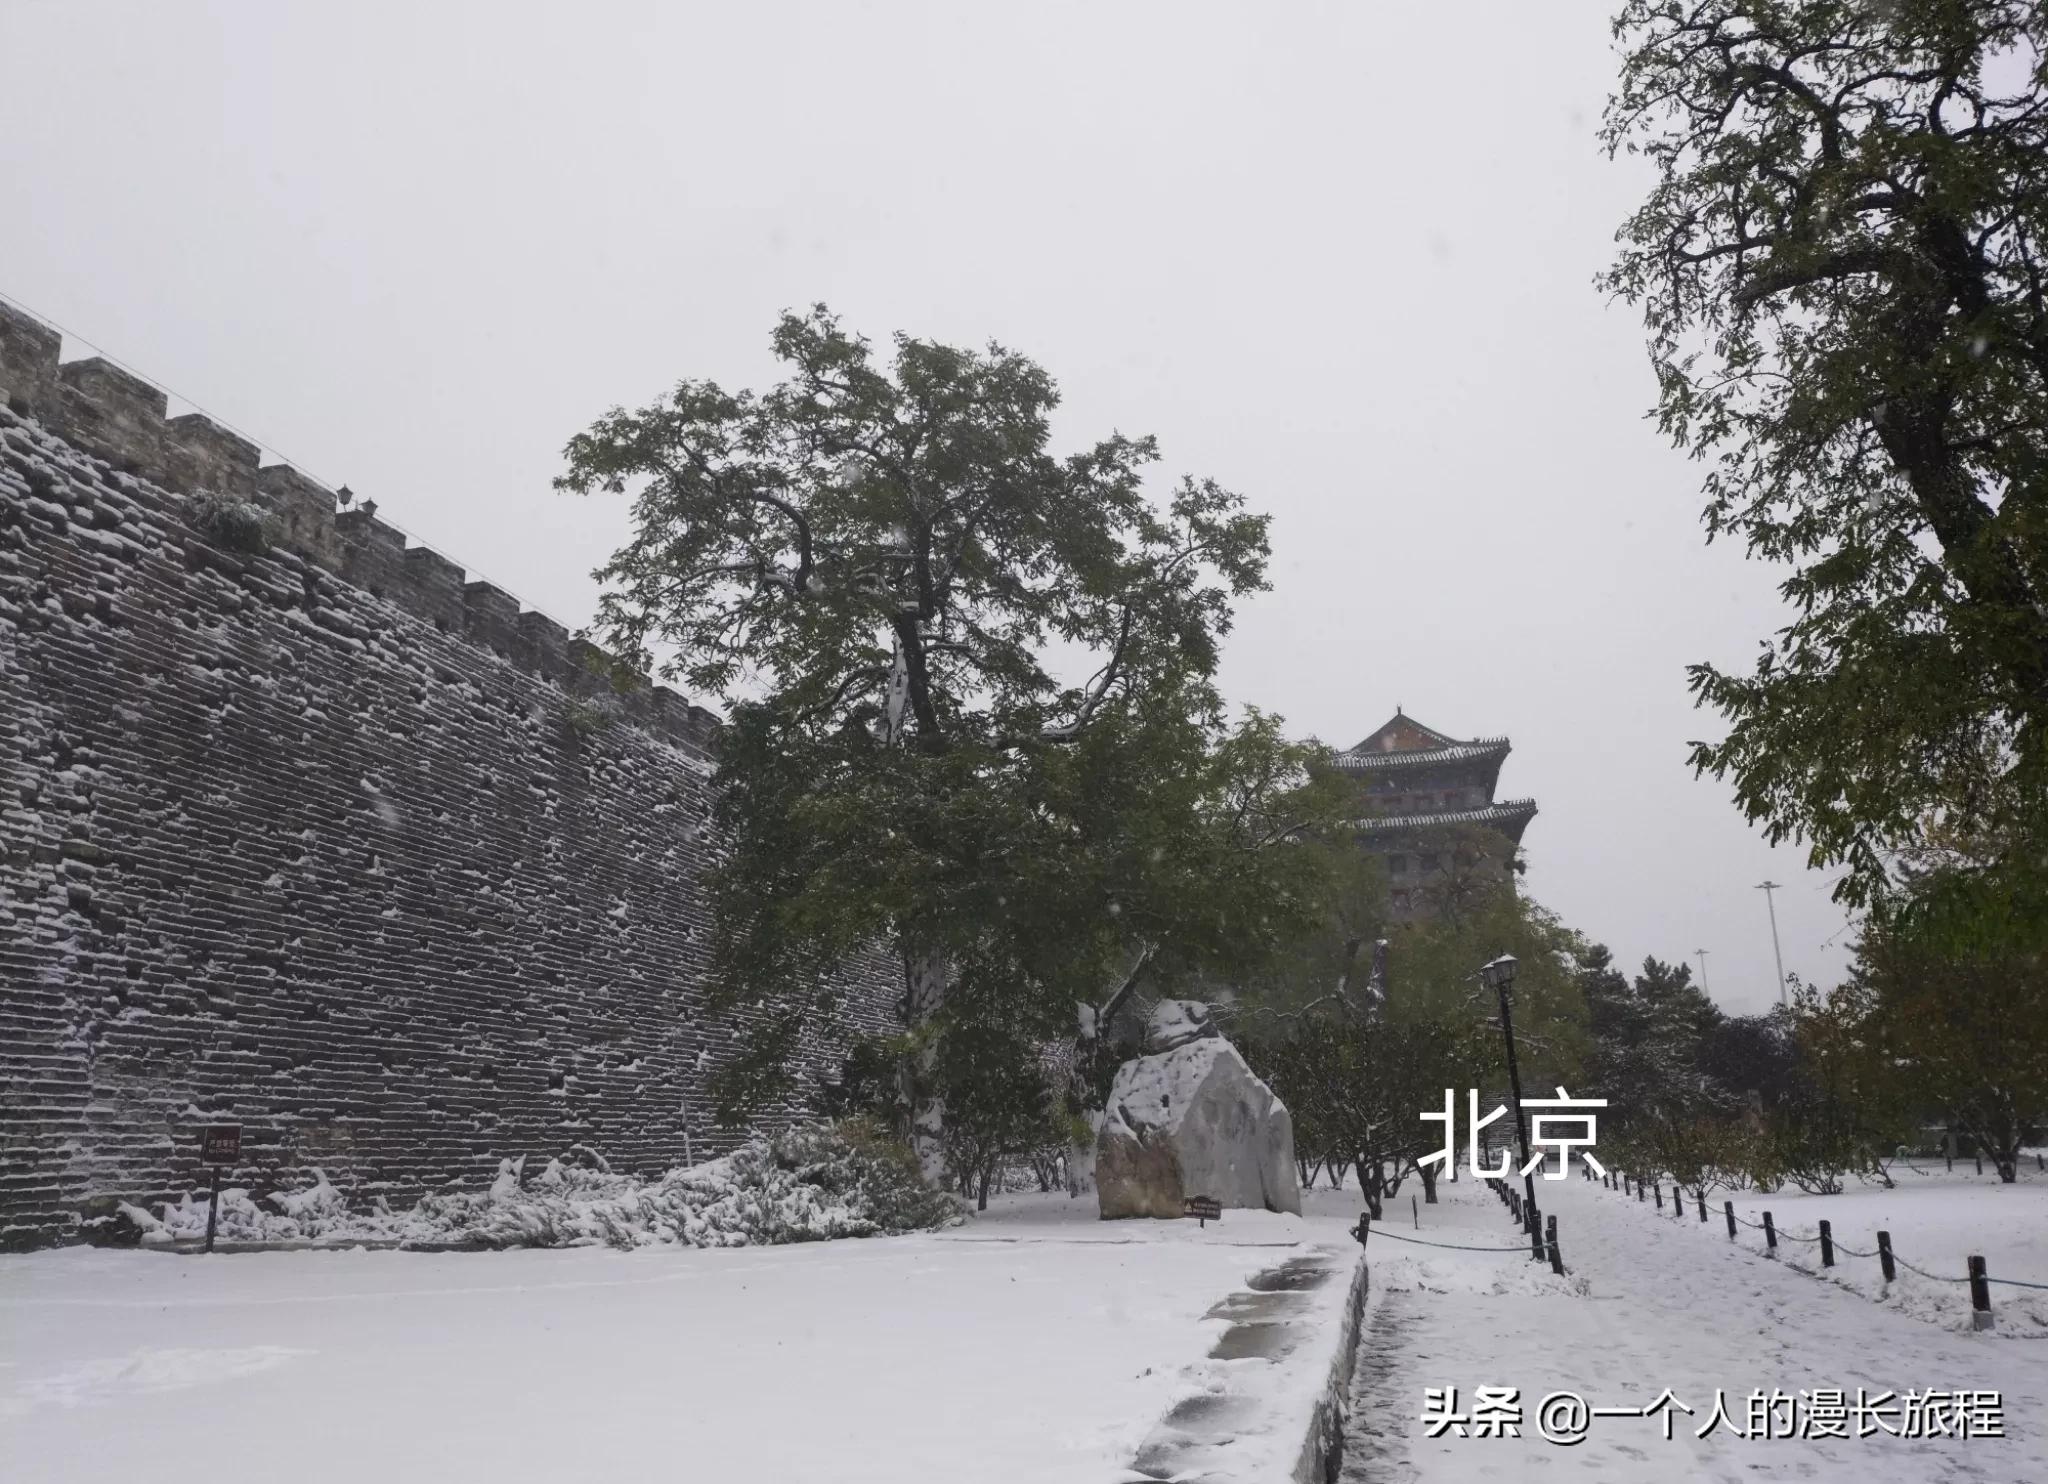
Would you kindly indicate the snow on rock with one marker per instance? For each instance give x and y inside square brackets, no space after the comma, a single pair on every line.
[1193,1121]
[1175,1023]
[805,1184]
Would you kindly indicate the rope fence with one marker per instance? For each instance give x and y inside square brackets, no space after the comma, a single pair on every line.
[1542,1231]
[1452,1246]
[1889,1261]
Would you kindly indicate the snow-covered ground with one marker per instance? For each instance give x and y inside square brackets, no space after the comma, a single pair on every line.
[1035,1343]
[1654,1304]
[1938,1219]
[1032,1344]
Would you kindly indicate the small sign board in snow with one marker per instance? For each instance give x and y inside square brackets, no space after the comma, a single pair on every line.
[221,1143]
[1204,1209]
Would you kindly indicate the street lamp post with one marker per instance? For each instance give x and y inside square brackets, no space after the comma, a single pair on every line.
[1499,975]
[1770,889]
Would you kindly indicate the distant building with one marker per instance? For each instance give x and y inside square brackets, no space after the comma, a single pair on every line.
[1431,815]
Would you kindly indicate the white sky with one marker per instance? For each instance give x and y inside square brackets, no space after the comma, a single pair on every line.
[1338,257]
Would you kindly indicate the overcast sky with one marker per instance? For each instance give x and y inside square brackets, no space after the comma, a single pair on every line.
[1338,257]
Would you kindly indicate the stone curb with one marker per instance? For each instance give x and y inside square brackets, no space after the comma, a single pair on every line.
[1269,1319]
[1322,1454]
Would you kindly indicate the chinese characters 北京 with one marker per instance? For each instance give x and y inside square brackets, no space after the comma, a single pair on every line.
[1541,1139]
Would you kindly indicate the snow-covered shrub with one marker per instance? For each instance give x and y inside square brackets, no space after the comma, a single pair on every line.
[232,524]
[808,1183]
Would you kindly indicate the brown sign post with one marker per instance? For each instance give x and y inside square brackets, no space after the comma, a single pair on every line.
[219,1144]
[1204,1209]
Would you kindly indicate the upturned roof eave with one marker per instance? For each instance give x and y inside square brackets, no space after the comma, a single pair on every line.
[1484,749]
[1515,812]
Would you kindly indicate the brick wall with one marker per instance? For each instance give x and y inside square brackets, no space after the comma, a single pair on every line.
[324,840]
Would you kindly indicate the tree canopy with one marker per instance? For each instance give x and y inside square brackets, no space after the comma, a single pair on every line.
[1841,269]
[969,687]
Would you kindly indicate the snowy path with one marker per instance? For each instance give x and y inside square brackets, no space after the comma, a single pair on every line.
[1664,1304]
[1032,1346]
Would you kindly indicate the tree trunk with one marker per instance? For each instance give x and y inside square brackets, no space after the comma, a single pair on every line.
[987,1173]
[1428,1174]
[924,992]
[1369,1185]
[1081,1156]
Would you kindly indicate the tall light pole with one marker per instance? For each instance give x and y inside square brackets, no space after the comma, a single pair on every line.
[1769,889]
[1701,955]
[1499,976]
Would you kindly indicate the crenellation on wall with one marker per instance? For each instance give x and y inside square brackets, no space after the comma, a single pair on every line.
[113,414]
[307,511]
[29,350]
[433,588]
[590,668]
[200,454]
[372,554]
[492,617]
[545,647]
[118,417]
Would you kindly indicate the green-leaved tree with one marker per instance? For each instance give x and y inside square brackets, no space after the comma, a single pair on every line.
[1843,269]
[968,680]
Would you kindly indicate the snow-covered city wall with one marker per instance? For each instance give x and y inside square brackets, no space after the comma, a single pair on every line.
[301,830]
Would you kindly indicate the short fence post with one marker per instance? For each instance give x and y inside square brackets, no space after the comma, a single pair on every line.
[1827,1245]
[1980,1295]
[1703,1207]
[1536,1235]
[1884,1256]
[1980,1161]
[1550,1231]
[1729,1208]
[1639,1190]
[1658,1189]
[1677,1204]
[1770,1236]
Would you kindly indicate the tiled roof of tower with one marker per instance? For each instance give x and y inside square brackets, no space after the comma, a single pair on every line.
[1355,761]
[1516,812]
[1403,733]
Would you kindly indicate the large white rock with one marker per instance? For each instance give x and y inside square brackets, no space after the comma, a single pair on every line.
[1189,1121]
